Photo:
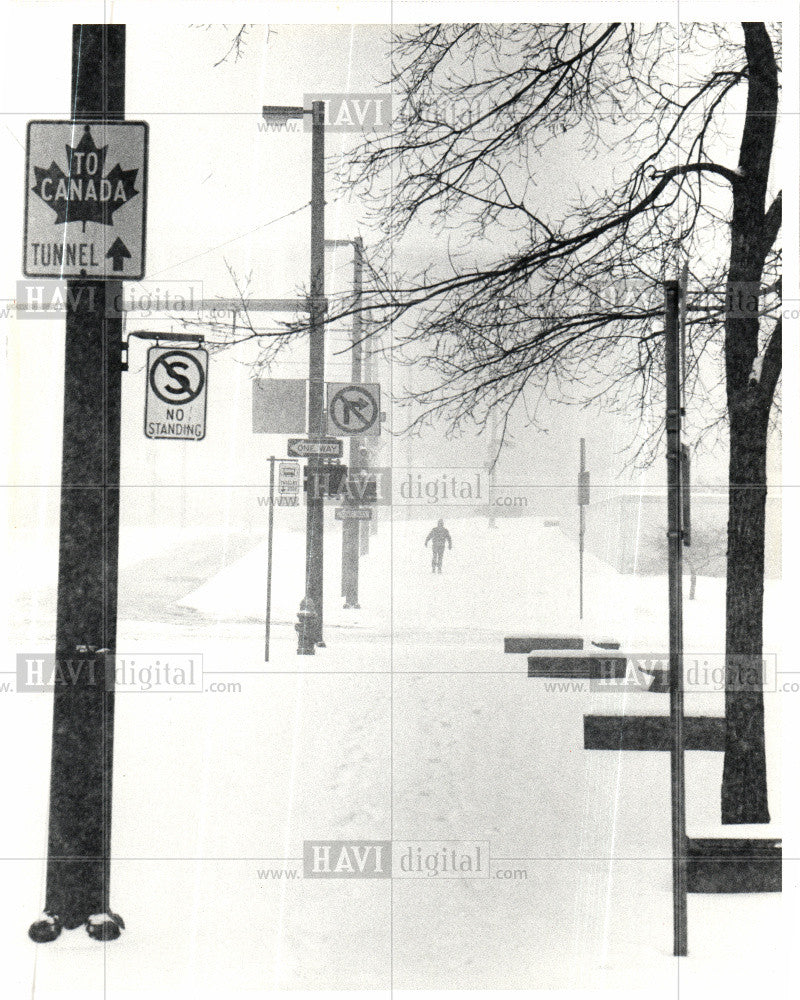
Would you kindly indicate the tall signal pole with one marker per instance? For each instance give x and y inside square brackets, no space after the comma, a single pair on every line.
[315,511]
[315,520]
[78,847]
[673,365]
[369,527]
[351,528]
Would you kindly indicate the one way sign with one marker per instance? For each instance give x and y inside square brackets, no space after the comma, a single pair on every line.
[354,409]
[85,199]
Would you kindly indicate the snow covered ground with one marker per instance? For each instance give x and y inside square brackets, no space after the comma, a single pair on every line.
[411,725]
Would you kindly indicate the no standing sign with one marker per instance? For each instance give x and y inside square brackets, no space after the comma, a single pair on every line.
[175,404]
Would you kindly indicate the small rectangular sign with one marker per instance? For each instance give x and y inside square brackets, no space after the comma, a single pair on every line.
[175,397]
[288,477]
[85,199]
[686,495]
[353,514]
[583,489]
[304,447]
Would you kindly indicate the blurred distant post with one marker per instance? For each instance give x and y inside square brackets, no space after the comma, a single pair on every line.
[269,554]
[583,503]
[370,527]
[490,466]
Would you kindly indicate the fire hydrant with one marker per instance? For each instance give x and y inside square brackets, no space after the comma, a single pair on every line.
[306,628]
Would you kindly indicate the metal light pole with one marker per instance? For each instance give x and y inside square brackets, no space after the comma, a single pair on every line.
[315,511]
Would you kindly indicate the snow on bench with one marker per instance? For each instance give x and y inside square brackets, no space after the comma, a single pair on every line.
[533,643]
[652,732]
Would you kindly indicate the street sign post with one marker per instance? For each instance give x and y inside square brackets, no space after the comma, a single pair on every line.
[353,513]
[79,825]
[306,447]
[175,401]
[85,198]
[354,409]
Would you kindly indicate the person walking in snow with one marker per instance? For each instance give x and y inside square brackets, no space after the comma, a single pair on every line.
[439,536]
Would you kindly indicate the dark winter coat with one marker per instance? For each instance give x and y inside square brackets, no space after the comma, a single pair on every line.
[439,535]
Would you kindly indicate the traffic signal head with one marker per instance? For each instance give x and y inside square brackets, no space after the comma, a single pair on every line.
[325,480]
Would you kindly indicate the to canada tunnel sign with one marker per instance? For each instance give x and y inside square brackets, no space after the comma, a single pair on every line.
[85,199]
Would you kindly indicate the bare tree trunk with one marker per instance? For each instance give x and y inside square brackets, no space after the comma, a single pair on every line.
[750,387]
[744,780]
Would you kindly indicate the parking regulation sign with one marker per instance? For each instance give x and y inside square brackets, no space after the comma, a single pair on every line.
[354,409]
[85,198]
[288,477]
[175,402]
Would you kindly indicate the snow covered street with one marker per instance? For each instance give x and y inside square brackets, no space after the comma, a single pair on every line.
[411,725]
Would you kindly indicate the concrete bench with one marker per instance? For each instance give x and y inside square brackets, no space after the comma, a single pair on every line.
[577,664]
[652,732]
[723,864]
[532,643]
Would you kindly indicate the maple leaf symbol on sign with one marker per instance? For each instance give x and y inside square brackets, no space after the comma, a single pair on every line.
[83,194]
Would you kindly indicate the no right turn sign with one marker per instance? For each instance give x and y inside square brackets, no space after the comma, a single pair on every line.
[354,409]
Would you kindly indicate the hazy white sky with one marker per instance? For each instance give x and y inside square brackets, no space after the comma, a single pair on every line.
[216,181]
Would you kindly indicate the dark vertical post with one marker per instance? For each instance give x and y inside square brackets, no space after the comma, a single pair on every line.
[366,528]
[315,511]
[269,553]
[675,536]
[351,528]
[492,467]
[582,527]
[86,618]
